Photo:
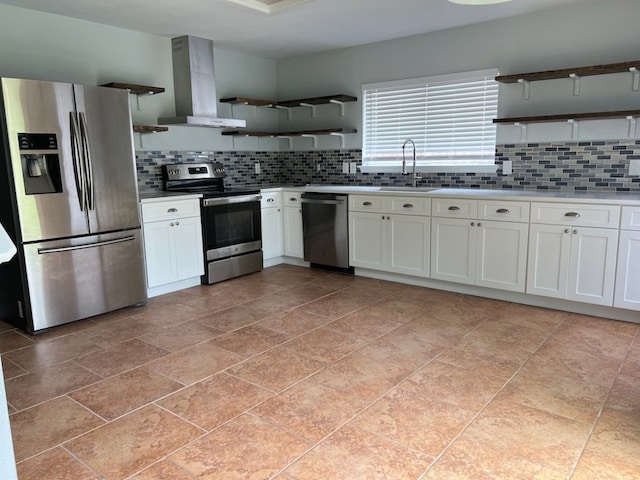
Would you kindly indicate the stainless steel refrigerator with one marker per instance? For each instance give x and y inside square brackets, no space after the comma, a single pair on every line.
[68,199]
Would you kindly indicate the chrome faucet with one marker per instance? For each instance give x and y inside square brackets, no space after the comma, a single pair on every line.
[414,176]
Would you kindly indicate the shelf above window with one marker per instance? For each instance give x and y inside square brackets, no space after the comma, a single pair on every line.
[303,102]
[571,72]
[135,89]
[569,116]
[299,133]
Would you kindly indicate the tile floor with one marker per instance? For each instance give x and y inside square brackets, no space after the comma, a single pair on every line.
[293,373]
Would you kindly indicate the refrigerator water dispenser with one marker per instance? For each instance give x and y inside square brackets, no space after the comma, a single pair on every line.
[40,163]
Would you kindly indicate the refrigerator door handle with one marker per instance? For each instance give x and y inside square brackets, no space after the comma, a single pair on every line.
[43,251]
[78,166]
[86,155]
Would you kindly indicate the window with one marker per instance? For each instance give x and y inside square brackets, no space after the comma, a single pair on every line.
[449,117]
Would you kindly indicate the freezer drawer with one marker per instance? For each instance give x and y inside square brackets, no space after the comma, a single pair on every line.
[78,278]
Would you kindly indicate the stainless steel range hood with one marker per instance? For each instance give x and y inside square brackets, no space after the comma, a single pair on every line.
[194,85]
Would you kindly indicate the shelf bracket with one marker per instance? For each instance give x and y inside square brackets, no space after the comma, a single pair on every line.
[526,88]
[576,83]
[288,109]
[523,130]
[312,107]
[341,135]
[340,104]
[575,127]
[636,78]
[288,138]
[632,126]
[314,137]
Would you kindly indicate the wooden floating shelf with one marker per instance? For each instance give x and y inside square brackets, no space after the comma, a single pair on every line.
[566,72]
[569,116]
[299,133]
[303,102]
[135,89]
[149,129]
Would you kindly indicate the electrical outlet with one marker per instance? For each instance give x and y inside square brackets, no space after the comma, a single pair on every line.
[507,167]
[353,167]
[345,167]
[257,168]
[634,167]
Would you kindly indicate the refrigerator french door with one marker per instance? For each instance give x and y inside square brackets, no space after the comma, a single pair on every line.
[73,204]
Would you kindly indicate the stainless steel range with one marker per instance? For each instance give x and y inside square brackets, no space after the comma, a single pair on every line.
[231,231]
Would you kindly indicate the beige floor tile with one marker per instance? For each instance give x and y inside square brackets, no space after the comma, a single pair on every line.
[53,351]
[46,425]
[113,332]
[539,318]
[405,352]
[336,304]
[631,365]
[470,460]
[120,358]
[55,464]
[361,376]
[414,421]
[246,447]
[195,363]
[505,334]
[464,388]
[12,340]
[324,345]
[603,467]
[434,330]
[10,369]
[250,341]
[169,315]
[277,369]
[47,383]
[214,401]
[163,470]
[5,327]
[529,434]
[115,396]
[471,310]
[311,410]
[294,321]
[232,318]
[150,433]
[625,394]
[425,297]
[181,336]
[352,454]
[617,436]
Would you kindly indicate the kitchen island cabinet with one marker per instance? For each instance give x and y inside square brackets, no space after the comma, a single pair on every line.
[173,244]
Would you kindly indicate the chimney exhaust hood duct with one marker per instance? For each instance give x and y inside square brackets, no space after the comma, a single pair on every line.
[194,85]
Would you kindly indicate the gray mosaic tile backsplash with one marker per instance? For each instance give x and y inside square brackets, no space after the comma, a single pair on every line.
[597,166]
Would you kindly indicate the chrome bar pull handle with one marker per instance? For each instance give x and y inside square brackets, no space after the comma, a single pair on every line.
[78,167]
[86,154]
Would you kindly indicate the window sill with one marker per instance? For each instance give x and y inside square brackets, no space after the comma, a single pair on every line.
[430,169]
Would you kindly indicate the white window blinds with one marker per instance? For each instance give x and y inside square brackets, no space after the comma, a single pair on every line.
[448,117]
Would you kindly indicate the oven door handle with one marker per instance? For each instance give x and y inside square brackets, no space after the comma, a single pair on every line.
[213,202]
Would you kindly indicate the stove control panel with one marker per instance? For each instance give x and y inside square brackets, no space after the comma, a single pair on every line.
[193,171]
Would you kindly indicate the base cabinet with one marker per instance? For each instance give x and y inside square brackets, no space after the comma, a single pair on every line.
[293,235]
[628,273]
[453,252]
[272,225]
[573,263]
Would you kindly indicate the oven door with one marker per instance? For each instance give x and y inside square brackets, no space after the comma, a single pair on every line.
[231,225]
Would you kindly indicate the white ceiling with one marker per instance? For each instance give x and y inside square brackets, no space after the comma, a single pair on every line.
[311,26]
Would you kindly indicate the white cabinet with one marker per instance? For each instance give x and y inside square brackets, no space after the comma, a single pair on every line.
[627,290]
[573,261]
[272,225]
[293,237]
[173,244]
[467,249]
[394,239]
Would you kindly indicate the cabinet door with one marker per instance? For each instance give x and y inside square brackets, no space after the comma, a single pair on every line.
[453,252]
[627,292]
[272,233]
[502,255]
[408,239]
[186,234]
[293,239]
[367,242]
[548,261]
[592,266]
[159,254]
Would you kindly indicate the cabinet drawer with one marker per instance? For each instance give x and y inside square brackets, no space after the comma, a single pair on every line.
[454,207]
[271,199]
[170,209]
[507,211]
[409,205]
[366,203]
[291,199]
[576,214]
[630,218]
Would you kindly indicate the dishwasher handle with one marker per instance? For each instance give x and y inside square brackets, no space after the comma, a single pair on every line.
[317,201]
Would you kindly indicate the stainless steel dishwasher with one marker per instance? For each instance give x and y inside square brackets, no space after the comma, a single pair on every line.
[325,229]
